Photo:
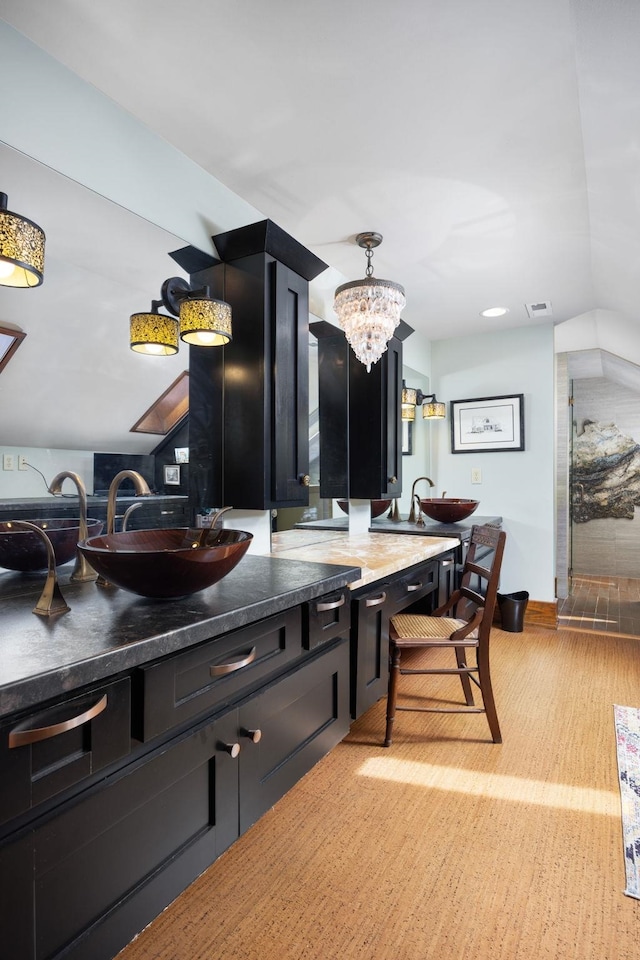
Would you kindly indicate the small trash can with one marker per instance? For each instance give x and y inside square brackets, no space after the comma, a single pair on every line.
[512,607]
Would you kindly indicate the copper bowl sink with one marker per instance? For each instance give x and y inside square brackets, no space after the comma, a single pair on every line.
[448,509]
[168,563]
[377,506]
[24,550]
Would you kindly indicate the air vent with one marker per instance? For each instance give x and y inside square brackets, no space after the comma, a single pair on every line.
[542,308]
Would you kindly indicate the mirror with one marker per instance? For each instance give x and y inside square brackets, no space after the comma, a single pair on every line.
[74,384]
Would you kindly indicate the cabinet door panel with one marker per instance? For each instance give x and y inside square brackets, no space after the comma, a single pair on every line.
[369,650]
[290,420]
[300,719]
[106,864]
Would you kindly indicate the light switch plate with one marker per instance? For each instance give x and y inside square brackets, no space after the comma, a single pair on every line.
[476,475]
[8,461]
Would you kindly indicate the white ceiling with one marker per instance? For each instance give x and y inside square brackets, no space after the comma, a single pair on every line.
[494,143]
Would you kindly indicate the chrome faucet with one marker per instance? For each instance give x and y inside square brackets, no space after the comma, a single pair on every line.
[141,487]
[412,516]
[82,570]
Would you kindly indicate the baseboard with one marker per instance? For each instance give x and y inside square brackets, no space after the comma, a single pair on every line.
[541,614]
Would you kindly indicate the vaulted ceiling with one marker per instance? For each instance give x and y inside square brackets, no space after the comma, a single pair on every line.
[493,143]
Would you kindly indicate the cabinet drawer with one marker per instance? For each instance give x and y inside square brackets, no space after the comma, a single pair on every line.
[413,586]
[326,618]
[205,678]
[46,752]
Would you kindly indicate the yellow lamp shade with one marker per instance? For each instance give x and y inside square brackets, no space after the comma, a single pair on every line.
[154,334]
[205,322]
[434,411]
[21,249]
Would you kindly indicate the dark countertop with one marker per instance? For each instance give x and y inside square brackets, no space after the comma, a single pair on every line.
[109,630]
[461,530]
[45,502]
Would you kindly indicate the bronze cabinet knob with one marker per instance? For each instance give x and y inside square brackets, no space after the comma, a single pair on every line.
[254,735]
[305,479]
[231,748]
[393,479]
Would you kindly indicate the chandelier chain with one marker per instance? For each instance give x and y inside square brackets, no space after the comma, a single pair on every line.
[369,256]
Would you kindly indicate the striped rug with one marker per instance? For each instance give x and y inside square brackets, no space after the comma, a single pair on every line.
[627,721]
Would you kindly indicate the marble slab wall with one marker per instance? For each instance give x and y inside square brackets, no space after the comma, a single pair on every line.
[606,475]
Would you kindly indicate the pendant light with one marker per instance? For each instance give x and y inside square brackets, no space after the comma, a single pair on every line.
[369,310]
[21,249]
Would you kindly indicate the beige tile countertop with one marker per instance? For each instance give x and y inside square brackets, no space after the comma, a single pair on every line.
[377,554]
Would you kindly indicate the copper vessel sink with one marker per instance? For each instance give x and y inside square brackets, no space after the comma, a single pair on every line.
[448,509]
[167,563]
[24,550]
[378,507]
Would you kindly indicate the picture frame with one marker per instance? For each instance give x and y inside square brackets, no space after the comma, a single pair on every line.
[407,438]
[488,424]
[181,454]
[172,474]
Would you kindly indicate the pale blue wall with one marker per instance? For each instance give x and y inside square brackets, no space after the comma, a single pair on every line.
[55,117]
[517,485]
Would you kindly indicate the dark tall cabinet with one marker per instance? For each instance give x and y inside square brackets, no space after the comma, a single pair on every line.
[249,406]
[360,422]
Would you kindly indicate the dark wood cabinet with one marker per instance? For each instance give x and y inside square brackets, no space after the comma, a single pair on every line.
[300,719]
[87,878]
[104,829]
[372,607]
[249,424]
[359,418]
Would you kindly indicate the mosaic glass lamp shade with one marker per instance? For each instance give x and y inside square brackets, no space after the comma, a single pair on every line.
[21,249]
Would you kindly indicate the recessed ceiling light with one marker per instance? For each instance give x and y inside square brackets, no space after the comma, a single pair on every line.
[494,312]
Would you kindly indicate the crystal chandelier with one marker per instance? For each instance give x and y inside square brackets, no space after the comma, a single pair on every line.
[369,310]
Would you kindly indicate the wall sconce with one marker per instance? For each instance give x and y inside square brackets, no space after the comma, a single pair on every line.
[412,398]
[203,321]
[21,249]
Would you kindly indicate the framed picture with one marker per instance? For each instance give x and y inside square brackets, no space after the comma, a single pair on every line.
[172,474]
[407,437]
[181,454]
[488,424]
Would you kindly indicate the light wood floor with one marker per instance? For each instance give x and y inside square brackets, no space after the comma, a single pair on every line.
[601,603]
[444,846]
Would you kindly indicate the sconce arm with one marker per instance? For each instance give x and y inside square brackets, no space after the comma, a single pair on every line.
[175,290]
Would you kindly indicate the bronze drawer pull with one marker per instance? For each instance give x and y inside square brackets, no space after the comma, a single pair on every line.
[412,587]
[375,601]
[220,669]
[446,563]
[330,604]
[19,737]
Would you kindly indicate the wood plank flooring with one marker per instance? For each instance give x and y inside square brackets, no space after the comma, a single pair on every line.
[444,846]
[604,604]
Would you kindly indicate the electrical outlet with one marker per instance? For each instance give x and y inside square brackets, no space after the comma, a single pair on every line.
[8,462]
[22,462]
[476,475]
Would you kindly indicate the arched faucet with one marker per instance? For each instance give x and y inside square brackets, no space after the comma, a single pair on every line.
[414,497]
[141,488]
[82,570]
